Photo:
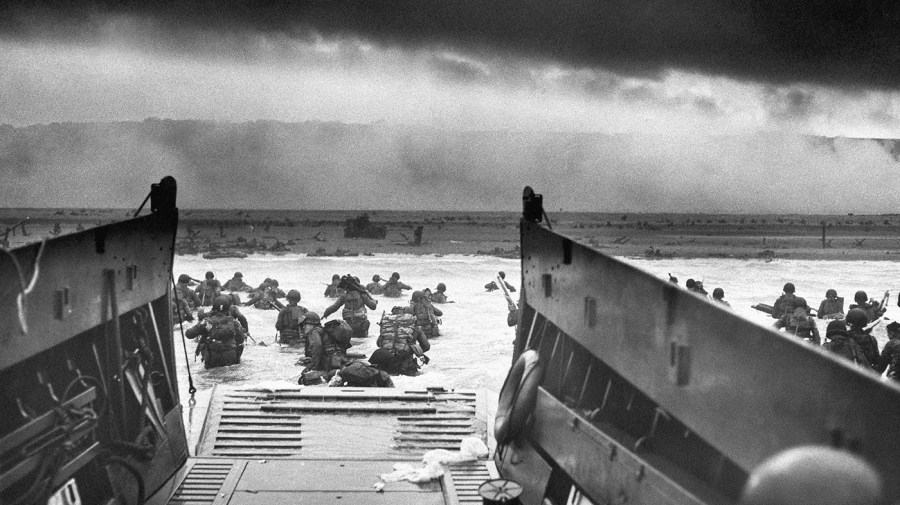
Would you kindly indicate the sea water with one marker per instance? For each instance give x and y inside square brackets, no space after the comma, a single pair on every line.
[475,346]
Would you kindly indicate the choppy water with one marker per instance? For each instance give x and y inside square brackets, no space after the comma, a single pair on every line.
[476,344]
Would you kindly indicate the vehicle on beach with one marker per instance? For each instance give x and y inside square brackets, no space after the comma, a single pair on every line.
[679,405]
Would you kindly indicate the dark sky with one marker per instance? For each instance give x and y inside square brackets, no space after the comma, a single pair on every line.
[851,44]
[660,77]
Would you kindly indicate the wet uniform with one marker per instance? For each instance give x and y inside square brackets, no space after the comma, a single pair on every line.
[288,325]
[221,336]
[354,312]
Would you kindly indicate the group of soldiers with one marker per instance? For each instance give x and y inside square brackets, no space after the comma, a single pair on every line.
[222,329]
[848,335]
[403,338]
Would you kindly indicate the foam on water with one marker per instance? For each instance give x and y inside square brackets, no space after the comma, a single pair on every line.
[475,348]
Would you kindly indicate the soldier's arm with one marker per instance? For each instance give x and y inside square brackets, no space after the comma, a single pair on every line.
[437,311]
[333,307]
[279,323]
[369,301]
[194,331]
[884,360]
[403,286]
[240,317]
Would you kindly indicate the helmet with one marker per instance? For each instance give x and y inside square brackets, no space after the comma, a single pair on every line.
[356,279]
[800,302]
[210,275]
[395,275]
[857,317]
[376,277]
[789,287]
[335,277]
[222,303]
[502,275]
[235,299]
[441,287]
[184,278]
[416,296]
[830,293]
[274,282]
[238,274]
[835,327]
[690,283]
[893,328]
[861,297]
[310,318]
[293,295]
[718,293]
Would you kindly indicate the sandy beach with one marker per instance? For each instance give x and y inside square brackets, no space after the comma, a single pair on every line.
[756,237]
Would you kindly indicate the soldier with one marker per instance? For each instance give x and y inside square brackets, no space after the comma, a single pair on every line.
[838,340]
[220,336]
[890,355]
[695,287]
[492,286]
[719,296]
[375,287]
[355,299]
[873,309]
[426,314]
[208,289]
[800,323]
[785,303]
[440,295]
[323,351]
[236,283]
[267,298]
[184,292]
[832,307]
[393,288]
[857,319]
[333,291]
[399,343]
[288,323]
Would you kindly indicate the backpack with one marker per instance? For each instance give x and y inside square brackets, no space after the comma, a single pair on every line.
[359,374]
[222,330]
[397,334]
[341,332]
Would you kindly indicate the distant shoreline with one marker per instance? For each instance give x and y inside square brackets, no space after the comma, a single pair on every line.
[649,236]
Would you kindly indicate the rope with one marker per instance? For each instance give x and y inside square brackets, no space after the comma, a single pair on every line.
[24,290]
[187,362]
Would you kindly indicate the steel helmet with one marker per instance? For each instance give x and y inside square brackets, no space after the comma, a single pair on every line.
[222,303]
[293,295]
[857,317]
[395,275]
[238,274]
[184,278]
[310,318]
[441,287]
[718,293]
[789,287]
[861,297]
[376,277]
[210,275]
[831,293]
[416,296]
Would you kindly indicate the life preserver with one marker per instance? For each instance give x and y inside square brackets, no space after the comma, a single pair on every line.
[518,396]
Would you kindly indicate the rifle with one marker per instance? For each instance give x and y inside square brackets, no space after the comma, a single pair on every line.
[509,301]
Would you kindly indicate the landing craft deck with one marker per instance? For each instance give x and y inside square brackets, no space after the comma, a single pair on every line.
[319,445]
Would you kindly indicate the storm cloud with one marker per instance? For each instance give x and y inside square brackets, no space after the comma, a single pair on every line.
[842,44]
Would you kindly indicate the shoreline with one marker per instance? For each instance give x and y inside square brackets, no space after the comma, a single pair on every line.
[645,236]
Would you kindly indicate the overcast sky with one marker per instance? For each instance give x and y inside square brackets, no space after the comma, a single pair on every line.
[637,67]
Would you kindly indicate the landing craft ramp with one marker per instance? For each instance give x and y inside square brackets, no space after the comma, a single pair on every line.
[329,445]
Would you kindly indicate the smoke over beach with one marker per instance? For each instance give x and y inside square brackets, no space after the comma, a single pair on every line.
[317,165]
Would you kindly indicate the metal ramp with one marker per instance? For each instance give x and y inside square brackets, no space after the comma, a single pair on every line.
[329,445]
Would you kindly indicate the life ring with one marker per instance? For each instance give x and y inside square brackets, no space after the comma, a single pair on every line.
[518,396]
